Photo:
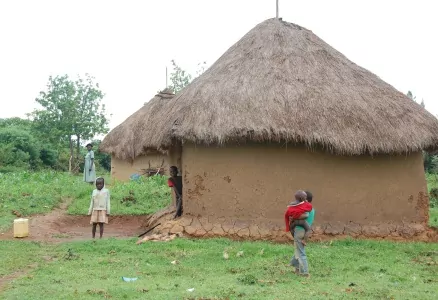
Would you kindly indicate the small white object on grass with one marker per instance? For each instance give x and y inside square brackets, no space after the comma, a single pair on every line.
[240,253]
[127,279]
[190,290]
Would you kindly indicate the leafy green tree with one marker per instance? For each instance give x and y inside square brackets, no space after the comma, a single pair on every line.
[16,122]
[91,117]
[23,148]
[180,78]
[430,161]
[411,95]
[103,159]
[55,120]
[71,112]
[19,148]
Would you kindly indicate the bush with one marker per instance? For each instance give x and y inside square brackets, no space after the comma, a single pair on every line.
[18,148]
[433,197]
[49,157]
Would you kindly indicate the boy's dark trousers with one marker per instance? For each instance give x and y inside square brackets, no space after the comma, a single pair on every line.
[179,208]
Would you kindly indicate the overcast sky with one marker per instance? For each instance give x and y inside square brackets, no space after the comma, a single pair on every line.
[127,44]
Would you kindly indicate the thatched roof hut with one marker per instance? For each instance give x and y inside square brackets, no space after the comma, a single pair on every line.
[128,140]
[282,83]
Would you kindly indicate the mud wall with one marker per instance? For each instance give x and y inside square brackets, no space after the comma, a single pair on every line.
[252,184]
[123,169]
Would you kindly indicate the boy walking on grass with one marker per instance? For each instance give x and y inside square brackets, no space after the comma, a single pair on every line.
[296,214]
[299,259]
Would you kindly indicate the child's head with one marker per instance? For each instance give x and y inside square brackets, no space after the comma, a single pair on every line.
[300,195]
[100,182]
[173,171]
[309,196]
[89,146]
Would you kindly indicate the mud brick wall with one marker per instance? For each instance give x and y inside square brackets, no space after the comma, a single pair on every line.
[252,184]
[123,169]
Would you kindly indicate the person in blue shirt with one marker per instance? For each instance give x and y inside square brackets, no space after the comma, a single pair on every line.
[299,259]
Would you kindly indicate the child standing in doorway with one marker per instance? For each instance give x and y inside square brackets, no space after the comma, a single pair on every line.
[175,182]
[99,206]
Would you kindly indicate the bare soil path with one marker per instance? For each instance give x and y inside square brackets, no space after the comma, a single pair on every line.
[57,226]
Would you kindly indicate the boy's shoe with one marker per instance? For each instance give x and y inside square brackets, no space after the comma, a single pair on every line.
[305,275]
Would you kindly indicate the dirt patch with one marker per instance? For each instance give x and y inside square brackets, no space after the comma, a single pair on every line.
[58,226]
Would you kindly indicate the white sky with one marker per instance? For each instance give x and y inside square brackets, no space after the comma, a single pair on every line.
[127,44]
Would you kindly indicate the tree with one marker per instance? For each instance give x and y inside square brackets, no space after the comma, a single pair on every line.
[71,112]
[180,78]
[21,147]
[103,159]
[430,161]
[18,148]
[91,118]
[55,120]
[411,95]
[16,122]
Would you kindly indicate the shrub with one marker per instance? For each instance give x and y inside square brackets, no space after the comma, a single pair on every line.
[433,197]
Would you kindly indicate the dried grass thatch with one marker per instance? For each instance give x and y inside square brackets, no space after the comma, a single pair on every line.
[281,82]
[128,140]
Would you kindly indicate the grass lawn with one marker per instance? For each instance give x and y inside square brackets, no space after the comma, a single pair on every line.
[349,269]
[33,193]
[432,182]
[140,197]
[433,217]
[346,269]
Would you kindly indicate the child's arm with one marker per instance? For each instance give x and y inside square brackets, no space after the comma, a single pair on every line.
[286,220]
[91,160]
[108,205]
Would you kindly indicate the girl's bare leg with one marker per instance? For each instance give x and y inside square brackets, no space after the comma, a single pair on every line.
[101,229]
[93,230]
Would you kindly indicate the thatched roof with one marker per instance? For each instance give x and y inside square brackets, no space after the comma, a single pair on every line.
[282,83]
[128,140]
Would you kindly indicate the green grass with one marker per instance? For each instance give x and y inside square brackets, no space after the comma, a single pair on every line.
[32,193]
[347,269]
[433,216]
[150,194]
[432,182]
[19,256]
